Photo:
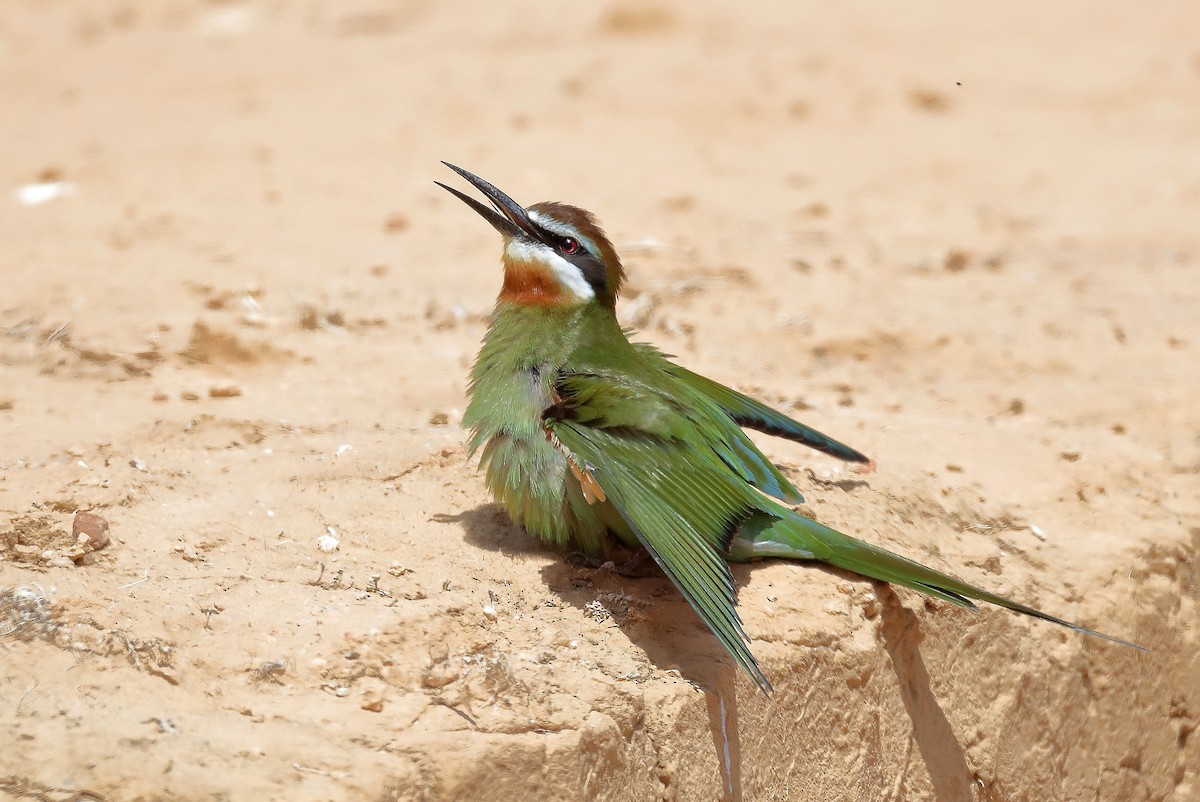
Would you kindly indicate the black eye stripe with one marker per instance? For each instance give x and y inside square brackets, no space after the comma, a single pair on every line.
[591,267]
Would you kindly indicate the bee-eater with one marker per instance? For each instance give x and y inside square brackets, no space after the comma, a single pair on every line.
[587,436]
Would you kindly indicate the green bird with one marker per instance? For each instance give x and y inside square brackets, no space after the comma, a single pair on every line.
[587,437]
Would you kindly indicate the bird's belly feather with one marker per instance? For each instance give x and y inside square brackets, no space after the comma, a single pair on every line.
[533,480]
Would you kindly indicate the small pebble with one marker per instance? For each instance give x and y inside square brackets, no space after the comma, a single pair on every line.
[90,530]
[373,695]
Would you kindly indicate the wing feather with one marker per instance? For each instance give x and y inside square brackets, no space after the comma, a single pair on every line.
[752,414]
[677,496]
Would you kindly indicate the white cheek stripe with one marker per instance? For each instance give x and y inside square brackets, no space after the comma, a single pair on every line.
[569,276]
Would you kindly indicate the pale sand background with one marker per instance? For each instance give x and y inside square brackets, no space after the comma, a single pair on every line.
[992,288]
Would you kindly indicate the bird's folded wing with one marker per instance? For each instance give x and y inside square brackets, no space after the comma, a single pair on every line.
[747,412]
[677,495]
[668,405]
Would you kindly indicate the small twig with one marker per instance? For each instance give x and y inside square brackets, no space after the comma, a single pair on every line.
[58,333]
[145,578]
[27,692]
[454,709]
[337,775]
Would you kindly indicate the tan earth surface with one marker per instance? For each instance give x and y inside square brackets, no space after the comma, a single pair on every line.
[236,317]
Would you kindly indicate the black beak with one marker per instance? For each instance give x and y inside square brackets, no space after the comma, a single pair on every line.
[509,217]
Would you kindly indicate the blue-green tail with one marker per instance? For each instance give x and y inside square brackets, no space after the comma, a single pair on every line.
[794,536]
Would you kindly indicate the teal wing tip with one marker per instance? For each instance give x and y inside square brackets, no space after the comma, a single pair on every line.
[854,455]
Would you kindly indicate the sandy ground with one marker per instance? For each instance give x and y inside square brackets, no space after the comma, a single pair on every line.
[236,316]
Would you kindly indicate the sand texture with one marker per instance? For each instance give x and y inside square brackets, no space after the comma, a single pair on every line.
[244,554]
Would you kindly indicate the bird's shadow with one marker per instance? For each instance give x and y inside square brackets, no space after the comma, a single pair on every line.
[641,600]
[489,527]
[944,757]
[647,608]
[650,611]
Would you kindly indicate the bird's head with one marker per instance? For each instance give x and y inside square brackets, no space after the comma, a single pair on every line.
[554,254]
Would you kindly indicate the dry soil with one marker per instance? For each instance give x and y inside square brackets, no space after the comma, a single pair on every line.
[236,318]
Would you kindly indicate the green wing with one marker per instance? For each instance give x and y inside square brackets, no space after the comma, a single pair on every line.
[747,412]
[702,409]
[671,485]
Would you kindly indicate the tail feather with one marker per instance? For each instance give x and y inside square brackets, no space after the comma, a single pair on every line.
[809,539]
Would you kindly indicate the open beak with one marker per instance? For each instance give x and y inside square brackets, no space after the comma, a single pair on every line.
[508,217]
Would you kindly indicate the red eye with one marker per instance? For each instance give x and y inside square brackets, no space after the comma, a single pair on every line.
[569,246]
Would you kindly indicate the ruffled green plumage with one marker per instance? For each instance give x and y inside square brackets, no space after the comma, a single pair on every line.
[586,436]
[557,394]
